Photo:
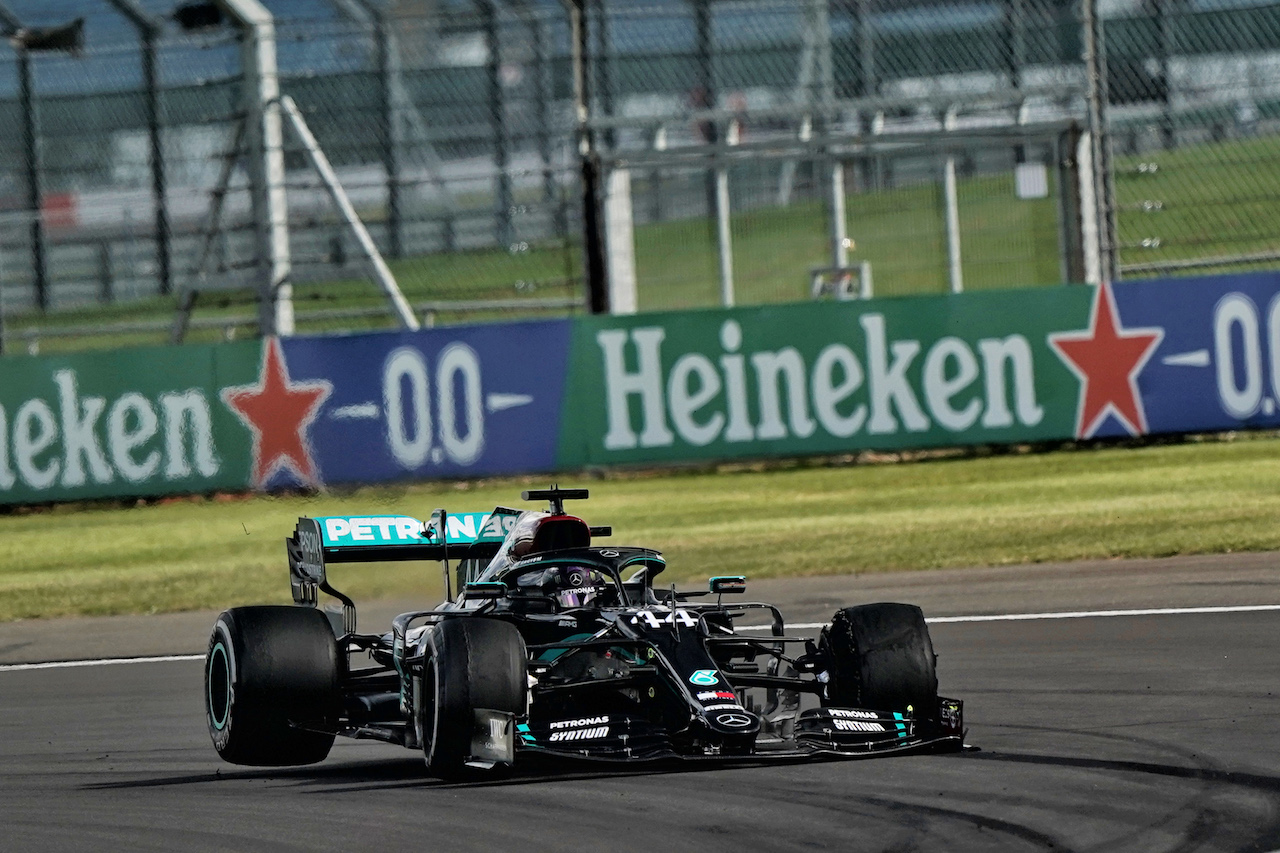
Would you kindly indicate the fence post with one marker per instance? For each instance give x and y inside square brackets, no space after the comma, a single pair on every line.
[1095,57]
[1070,225]
[826,112]
[657,142]
[1015,34]
[388,72]
[106,275]
[703,96]
[505,232]
[31,152]
[867,85]
[543,94]
[1090,240]
[604,72]
[596,272]
[951,205]
[1168,21]
[148,28]
[724,223]
[621,242]
[265,136]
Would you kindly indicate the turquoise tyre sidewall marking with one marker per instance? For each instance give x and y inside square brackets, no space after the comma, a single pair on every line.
[220,724]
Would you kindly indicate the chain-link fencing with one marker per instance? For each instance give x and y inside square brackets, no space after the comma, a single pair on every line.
[764,150]
[1194,116]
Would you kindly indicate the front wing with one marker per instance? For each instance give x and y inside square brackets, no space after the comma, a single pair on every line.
[813,733]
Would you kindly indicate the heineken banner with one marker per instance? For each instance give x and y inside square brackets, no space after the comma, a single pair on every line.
[282,413]
[1178,355]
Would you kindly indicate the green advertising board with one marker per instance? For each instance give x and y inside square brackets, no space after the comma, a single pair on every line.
[131,422]
[821,378]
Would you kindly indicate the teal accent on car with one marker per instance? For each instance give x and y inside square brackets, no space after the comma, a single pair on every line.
[552,654]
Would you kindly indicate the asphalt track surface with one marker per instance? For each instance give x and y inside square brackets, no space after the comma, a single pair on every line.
[1138,732]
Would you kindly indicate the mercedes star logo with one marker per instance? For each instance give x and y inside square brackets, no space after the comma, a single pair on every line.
[735,721]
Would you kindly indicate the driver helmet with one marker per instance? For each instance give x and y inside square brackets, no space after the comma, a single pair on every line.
[573,586]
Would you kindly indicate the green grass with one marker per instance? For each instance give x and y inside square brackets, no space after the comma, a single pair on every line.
[1215,200]
[1206,497]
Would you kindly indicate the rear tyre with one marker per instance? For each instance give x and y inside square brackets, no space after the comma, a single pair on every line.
[269,669]
[880,657]
[471,663]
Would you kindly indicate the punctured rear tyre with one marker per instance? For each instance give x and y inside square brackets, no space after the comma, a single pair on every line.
[470,663]
[267,669]
[880,657]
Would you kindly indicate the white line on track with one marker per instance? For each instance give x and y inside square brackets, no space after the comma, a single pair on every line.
[1071,614]
[801,626]
[70,664]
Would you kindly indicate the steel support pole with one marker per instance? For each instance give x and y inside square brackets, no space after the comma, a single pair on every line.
[392,110]
[825,101]
[31,152]
[1015,34]
[951,205]
[149,28]
[1168,20]
[724,235]
[159,184]
[1070,225]
[593,231]
[502,205]
[867,84]
[388,70]
[1095,58]
[265,138]
[604,72]
[703,96]
[542,98]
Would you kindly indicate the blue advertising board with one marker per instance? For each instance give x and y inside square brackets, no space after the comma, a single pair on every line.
[466,401]
[1217,363]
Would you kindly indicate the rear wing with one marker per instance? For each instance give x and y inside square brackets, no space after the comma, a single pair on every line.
[317,542]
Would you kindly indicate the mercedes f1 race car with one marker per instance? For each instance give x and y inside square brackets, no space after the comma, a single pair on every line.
[555,645]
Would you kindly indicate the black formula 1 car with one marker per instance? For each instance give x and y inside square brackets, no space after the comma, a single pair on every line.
[558,646]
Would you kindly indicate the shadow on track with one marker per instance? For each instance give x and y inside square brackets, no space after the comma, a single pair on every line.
[383,774]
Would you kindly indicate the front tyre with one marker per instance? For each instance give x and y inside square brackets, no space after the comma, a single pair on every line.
[269,670]
[880,657]
[471,663]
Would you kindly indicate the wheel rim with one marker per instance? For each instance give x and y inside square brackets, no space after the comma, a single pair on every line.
[219,680]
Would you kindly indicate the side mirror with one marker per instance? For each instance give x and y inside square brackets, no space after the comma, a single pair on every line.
[728,584]
[485,590]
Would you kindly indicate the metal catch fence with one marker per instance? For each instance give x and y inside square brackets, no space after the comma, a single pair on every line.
[745,151]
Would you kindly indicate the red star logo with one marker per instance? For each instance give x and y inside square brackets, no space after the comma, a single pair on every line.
[1107,358]
[278,412]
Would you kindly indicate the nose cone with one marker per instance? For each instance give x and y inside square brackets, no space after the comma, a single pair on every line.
[737,722]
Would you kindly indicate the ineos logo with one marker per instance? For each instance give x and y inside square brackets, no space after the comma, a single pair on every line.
[310,542]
